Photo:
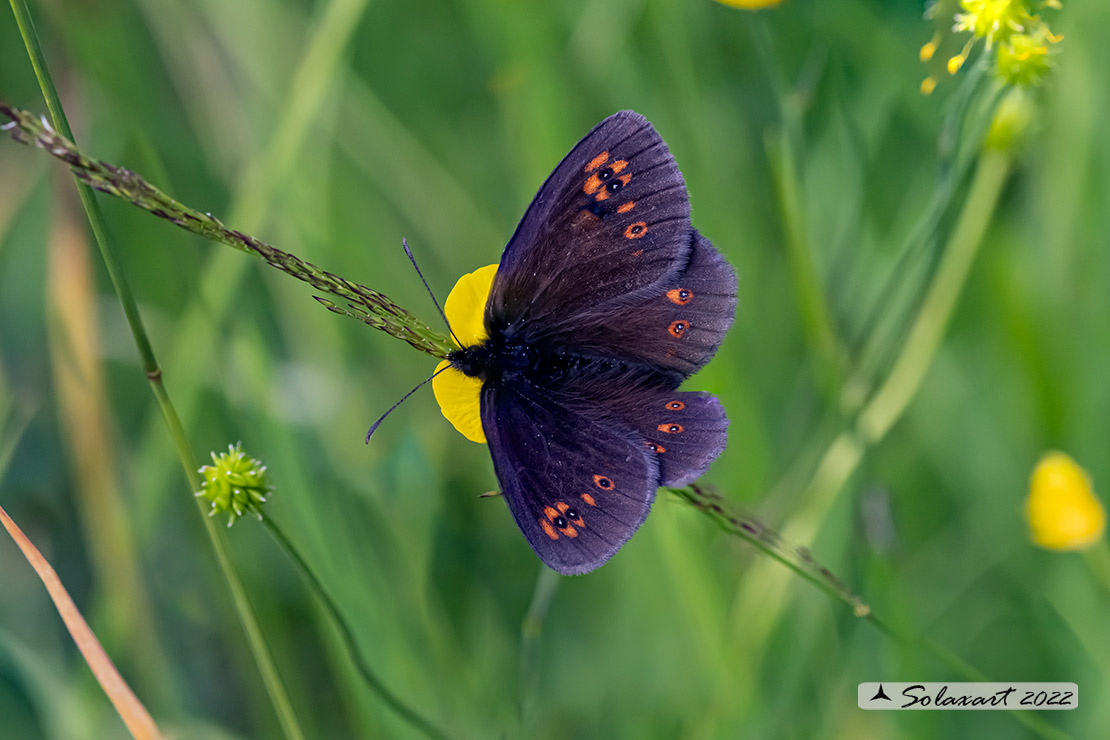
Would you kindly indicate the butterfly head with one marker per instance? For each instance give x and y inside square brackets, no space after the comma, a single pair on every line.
[474,361]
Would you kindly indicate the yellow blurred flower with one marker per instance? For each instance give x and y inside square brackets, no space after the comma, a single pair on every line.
[458,394]
[1012,31]
[750,4]
[993,20]
[1062,509]
[1024,58]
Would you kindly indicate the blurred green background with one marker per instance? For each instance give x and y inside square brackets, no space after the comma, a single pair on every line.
[334,129]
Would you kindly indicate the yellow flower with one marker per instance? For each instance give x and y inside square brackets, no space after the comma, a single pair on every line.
[458,394]
[929,48]
[750,4]
[1024,58]
[1063,511]
[993,20]
[1012,31]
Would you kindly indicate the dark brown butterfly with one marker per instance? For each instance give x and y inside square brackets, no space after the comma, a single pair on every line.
[605,300]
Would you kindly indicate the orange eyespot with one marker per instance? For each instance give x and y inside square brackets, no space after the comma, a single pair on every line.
[636,231]
[676,405]
[626,207]
[670,428]
[678,328]
[603,483]
[679,296]
[656,448]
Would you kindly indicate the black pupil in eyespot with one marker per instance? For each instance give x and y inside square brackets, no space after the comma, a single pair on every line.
[637,229]
[674,427]
[683,294]
[605,174]
[615,186]
[560,522]
[571,514]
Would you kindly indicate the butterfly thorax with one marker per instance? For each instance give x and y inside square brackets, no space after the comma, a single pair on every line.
[498,359]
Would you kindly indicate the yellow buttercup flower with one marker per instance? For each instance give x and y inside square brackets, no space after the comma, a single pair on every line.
[750,4]
[1062,509]
[459,394]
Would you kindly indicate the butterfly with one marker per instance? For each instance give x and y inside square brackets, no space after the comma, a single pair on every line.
[605,300]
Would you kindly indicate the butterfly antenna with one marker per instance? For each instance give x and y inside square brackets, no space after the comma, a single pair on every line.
[404,398]
[405,244]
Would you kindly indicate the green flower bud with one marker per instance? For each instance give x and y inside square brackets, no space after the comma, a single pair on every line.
[235,484]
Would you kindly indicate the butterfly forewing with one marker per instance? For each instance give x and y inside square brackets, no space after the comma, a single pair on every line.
[609,223]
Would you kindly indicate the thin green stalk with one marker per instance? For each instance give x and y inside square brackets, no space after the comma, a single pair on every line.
[1098,560]
[847,450]
[889,402]
[278,697]
[905,377]
[781,147]
[812,301]
[964,125]
[394,702]
[96,221]
[531,629]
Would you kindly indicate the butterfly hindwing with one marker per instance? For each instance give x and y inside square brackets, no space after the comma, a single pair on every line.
[609,223]
[578,484]
[684,430]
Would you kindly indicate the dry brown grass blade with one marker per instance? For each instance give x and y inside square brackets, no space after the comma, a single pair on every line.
[130,709]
